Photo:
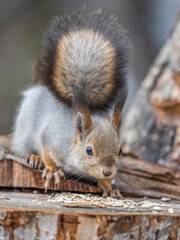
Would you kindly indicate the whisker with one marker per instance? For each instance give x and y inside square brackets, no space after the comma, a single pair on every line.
[76,177]
[76,180]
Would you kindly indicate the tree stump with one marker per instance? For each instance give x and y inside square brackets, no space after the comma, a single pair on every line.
[32,216]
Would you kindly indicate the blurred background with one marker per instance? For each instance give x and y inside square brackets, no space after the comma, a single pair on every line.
[21,26]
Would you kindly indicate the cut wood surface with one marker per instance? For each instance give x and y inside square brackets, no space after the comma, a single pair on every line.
[34,216]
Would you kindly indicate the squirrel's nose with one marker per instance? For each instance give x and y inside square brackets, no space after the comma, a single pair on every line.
[107,173]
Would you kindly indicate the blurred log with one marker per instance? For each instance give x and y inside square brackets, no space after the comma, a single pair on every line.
[151,129]
[138,178]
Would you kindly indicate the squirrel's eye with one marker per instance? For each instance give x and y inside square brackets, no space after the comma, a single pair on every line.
[89,151]
[120,151]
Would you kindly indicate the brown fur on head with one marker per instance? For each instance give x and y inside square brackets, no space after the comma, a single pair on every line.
[96,143]
[96,146]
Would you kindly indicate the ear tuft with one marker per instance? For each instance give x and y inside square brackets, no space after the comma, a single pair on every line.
[118,107]
[79,122]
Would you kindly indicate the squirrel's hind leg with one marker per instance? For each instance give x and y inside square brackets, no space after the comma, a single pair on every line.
[51,170]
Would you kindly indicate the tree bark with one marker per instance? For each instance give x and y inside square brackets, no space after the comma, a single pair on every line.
[151,128]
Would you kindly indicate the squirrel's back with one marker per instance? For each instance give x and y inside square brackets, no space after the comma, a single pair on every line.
[86,54]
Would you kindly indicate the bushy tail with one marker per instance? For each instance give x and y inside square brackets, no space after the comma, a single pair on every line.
[87,50]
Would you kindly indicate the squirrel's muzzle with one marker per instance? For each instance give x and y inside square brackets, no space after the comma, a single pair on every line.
[107,173]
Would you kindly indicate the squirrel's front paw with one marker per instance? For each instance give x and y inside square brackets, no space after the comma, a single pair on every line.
[107,191]
[48,174]
[114,193]
[35,161]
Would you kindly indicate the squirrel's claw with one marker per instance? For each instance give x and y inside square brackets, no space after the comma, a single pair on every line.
[114,193]
[48,175]
[61,173]
[57,179]
[35,161]
[105,193]
[45,171]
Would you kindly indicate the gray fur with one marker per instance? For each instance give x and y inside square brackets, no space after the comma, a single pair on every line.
[39,120]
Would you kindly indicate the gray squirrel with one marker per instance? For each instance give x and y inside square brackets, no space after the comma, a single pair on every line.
[79,80]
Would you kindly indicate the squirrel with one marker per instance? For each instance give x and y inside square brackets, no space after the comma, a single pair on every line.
[80,79]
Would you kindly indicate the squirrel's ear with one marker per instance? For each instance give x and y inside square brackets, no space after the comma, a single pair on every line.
[118,107]
[117,119]
[79,122]
[83,123]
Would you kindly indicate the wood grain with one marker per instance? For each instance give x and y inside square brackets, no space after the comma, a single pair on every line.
[151,129]
[32,216]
